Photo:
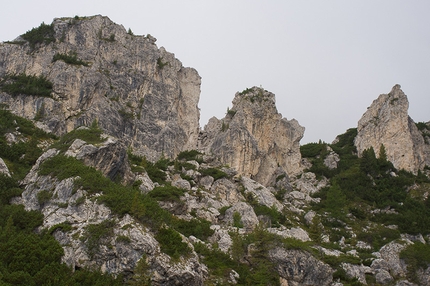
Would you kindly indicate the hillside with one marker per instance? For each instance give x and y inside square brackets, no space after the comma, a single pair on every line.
[107,179]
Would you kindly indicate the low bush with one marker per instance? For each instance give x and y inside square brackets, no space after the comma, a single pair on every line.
[416,256]
[18,84]
[91,135]
[42,34]
[190,155]
[71,58]
[167,193]
[199,228]
[213,172]
[95,234]
[171,243]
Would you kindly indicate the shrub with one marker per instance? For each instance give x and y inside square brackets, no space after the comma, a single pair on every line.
[171,243]
[213,172]
[26,84]
[64,226]
[70,58]
[199,228]
[190,155]
[237,220]
[42,34]
[44,196]
[416,256]
[91,135]
[160,63]
[167,193]
[95,234]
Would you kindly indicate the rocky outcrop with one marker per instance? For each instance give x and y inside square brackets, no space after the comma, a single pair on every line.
[69,213]
[3,168]
[137,92]
[300,268]
[386,122]
[253,137]
[110,158]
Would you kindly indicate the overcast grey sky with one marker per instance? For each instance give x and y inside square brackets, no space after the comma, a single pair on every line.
[325,61]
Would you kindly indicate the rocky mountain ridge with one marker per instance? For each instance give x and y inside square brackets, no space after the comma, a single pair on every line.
[143,194]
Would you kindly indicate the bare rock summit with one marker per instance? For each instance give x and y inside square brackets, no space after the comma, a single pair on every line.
[136,91]
[254,139]
[386,122]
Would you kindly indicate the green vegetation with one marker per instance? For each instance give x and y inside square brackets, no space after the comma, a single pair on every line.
[360,185]
[213,172]
[43,34]
[257,271]
[237,220]
[96,235]
[27,257]
[190,155]
[160,63]
[416,256]
[422,126]
[171,243]
[21,155]
[71,58]
[156,171]
[26,84]
[91,135]
[44,196]
[167,193]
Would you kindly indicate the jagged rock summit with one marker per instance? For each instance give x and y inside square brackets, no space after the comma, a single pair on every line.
[137,92]
[386,122]
[254,139]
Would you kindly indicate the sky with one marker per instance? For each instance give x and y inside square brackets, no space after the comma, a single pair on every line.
[325,61]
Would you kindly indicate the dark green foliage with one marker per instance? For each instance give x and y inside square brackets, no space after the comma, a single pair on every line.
[71,58]
[237,220]
[199,228]
[171,243]
[190,155]
[90,135]
[379,236]
[276,217]
[258,271]
[97,234]
[20,156]
[65,226]
[167,193]
[416,256]
[155,170]
[213,172]
[42,34]
[160,63]
[44,196]
[422,126]
[8,189]
[312,150]
[18,84]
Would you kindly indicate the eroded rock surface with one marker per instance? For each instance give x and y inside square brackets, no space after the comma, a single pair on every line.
[136,91]
[386,122]
[253,137]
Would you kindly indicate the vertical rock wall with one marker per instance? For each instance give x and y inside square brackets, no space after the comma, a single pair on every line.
[386,122]
[253,137]
[136,91]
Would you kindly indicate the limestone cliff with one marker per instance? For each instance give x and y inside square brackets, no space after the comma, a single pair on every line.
[253,137]
[136,91]
[386,122]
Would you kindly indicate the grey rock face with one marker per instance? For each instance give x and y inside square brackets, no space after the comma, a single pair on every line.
[137,92]
[386,122]
[253,138]
[300,268]
[110,158]
[3,168]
